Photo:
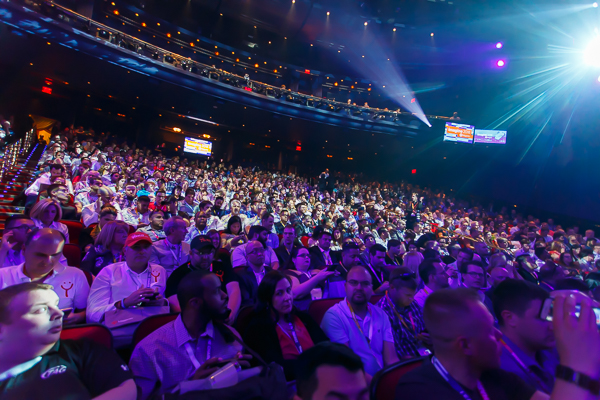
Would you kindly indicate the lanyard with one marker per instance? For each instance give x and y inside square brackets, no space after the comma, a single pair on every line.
[425,290]
[358,325]
[400,317]
[294,337]
[178,257]
[380,280]
[192,356]
[522,365]
[454,384]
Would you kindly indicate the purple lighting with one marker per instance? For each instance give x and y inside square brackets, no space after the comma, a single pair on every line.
[500,63]
[499,45]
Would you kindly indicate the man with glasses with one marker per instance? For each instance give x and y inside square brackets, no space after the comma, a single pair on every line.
[433,274]
[406,316]
[361,326]
[473,276]
[172,251]
[253,273]
[202,253]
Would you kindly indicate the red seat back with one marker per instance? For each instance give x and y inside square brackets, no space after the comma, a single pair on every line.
[318,308]
[96,332]
[375,298]
[89,277]
[383,386]
[304,240]
[74,228]
[72,253]
[149,325]
[239,269]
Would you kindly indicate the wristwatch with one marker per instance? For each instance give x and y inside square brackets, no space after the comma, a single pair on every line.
[582,380]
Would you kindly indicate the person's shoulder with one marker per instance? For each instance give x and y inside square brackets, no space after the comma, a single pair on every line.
[74,272]
[165,331]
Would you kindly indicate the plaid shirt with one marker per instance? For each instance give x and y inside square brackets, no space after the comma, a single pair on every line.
[405,339]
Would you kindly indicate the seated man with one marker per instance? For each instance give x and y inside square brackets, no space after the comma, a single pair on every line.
[60,193]
[202,257]
[260,234]
[200,226]
[336,284]
[172,251]
[138,216]
[253,273]
[434,277]
[43,182]
[36,364]
[286,247]
[378,269]
[42,252]
[529,349]
[16,229]
[330,371]
[406,316]
[356,323]
[321,255]
[191,346]
[155,229]
[91,212]
[474,276]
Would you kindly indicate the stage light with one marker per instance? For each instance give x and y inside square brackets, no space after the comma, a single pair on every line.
[591,54]
[431,34]
[394,29]
[500,63]
[366,23]
[328,13]
[499,45]
[595,5]
[599,79]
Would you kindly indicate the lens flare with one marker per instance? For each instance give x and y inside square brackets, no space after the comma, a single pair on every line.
[500,63]
[591,54]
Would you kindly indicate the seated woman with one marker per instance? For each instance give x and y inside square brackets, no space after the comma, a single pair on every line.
[220,253]
[304,282]
[47,214]
[278,332]
[108,248]
[233,235]
[88,235]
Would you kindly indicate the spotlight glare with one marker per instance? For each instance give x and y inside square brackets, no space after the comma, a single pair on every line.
[500,63]
[328,13]
[599,79]
[499,45]
[366,23]
[394,29]
[595,5]
[591,54]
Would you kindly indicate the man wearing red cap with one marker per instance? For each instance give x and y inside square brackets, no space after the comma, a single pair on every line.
[130,287]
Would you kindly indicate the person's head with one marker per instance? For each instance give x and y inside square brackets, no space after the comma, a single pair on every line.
[377,253]
[498,275]
[395,248]
[259,233]
[350,254]
[202,252]
[235,206]
[267,220]
[42,251]
[402,286]
[289,235]
[325,239]
[517,305]
[255,254]
[301,258]
[359,286]
[433,273]
[329,371]
[234,225]
[47,211]
[481,248]
[57,170]
[275,293]
[462,328]
[143,202]
[200,296]
[284,216]
[157,219]
[464,255]
[473,275]
[30,320]
[189,195]
[175,229]
[20,226]
[138,249]
[112,234]
[58,192]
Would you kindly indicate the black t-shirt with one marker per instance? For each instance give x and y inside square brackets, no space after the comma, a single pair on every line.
[426,383]
[222,269]
[72,369]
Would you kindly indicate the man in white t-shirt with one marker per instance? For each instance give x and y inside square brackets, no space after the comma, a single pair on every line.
[42,253]
[258,233]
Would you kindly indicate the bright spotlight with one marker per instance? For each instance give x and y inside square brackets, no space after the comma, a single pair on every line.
[599,79]
[591,54]
[500,63]
[499,45]
[595,5]
[366,23]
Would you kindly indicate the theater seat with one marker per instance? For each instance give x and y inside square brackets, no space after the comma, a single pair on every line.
[375,298]
[383,385]
[74,228]
[149,325]
[318,308]
[243,318]
[72,253]
[96,332]
[238,269]
[304,240]
[89,277]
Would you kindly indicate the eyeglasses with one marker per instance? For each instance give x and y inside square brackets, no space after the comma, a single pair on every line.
[303,255]
[475,274]
[355,283]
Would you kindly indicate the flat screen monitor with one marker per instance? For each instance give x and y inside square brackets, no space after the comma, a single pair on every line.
[458,133]
[490,136]
[197,146]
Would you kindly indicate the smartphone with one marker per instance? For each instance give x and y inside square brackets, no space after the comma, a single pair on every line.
[66,312]
[331,267]
[548,306]
[154,296]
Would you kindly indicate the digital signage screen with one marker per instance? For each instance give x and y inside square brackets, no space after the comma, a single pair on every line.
[458,133]
[490,136]
[197,146]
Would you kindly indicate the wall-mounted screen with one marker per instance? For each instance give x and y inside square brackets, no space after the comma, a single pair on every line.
[490,137]
[197,146]
[458,133]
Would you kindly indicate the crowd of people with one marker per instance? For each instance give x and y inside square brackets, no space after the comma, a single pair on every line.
[241,254]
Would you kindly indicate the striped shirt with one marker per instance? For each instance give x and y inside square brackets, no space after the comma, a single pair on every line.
[407,323]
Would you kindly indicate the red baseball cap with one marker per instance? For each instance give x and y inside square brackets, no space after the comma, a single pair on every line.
[137,237]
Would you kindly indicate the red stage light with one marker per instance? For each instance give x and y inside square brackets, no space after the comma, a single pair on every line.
[47,90]
[414,171]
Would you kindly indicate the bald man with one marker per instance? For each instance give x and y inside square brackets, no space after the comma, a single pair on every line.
[497,275]
[467,356]
[253,273]
[42,252]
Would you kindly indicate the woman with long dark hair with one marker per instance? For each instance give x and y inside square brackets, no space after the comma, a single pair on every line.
[277,331]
